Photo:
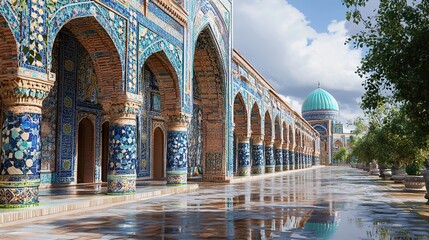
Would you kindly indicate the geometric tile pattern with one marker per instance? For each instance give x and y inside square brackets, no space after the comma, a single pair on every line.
[278,156]
[244,159]
[20,160]
[122,159]
[269,159]
[177,157]
[285,159]
[258,164]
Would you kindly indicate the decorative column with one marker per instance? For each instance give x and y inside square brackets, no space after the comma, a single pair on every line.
[258,163]
[21,149]
[304,156]
[278,155]
[269,156]
[291,158]
[285,157]
[297,158]
[244,155]
[177,149]
[121,176]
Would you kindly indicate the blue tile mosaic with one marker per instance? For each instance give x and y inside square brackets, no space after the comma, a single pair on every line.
[285,159]
[244,159]
[291,160]
[258,155]
[20,160]
[269,157]
[177,156]
[122,159]
[21,146]
[278,157]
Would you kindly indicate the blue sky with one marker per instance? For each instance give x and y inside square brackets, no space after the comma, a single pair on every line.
[320,13]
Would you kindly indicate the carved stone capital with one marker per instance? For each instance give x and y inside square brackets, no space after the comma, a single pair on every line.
[179,122]
[124,112]
[269,142]
[278,144]
[243,138]
[285,145]
[24,94]
[258,139]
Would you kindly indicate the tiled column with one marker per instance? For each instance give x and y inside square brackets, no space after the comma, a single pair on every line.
[244,155]
[258,162]
[121,176]
[285,157]
[21,149]
[177,149]
[269,156]
[278,155]
[291,159]
[304,158]
[297,159]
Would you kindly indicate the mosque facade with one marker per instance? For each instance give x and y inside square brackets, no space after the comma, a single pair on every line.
[118,91]
[321,110]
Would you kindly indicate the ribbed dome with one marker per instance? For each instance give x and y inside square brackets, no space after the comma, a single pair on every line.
[319,99]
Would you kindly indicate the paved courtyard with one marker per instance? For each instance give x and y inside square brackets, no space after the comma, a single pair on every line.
[330,202]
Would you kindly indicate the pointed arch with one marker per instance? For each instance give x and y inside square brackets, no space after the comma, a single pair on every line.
[240,115]
[268,126]
[103,52]
[160,68]
[214,31]
[171,54]
[255,120]
[277,128]
[69,13]
[285,133]
[291,138]
[8,51]
[209,88]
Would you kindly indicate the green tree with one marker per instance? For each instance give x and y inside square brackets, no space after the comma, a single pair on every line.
[396,66]
[341,154]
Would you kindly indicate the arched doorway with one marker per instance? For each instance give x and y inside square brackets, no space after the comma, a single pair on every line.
[88,71]
[208,92]
[241,162]
[158,156]
[86,152]
[161,88]
[105,130]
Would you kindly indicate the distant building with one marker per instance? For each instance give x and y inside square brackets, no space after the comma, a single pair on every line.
[321,110]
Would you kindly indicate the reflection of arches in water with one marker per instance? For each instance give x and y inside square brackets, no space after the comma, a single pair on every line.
[158,154]
[86,152]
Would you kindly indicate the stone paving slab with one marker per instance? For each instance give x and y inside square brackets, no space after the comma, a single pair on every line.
[57,201]
[238,179]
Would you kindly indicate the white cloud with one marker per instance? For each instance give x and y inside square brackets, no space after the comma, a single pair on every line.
[280,43]
[294,103]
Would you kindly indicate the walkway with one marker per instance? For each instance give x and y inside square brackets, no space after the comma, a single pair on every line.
[331,202]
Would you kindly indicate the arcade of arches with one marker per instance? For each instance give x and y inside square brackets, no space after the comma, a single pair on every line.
[117,98]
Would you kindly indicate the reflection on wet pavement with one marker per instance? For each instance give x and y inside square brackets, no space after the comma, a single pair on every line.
[323,203]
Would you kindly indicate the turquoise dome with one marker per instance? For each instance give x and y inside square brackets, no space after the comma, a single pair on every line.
[319,99]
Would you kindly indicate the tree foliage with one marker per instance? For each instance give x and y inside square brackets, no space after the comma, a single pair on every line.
[341,155]
[396,66]
[390,139]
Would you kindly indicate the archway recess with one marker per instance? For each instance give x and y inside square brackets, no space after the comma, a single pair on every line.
[209,89]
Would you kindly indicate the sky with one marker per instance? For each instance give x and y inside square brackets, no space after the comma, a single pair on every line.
[295,44]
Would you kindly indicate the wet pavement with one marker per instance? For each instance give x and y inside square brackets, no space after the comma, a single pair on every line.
[323,203]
